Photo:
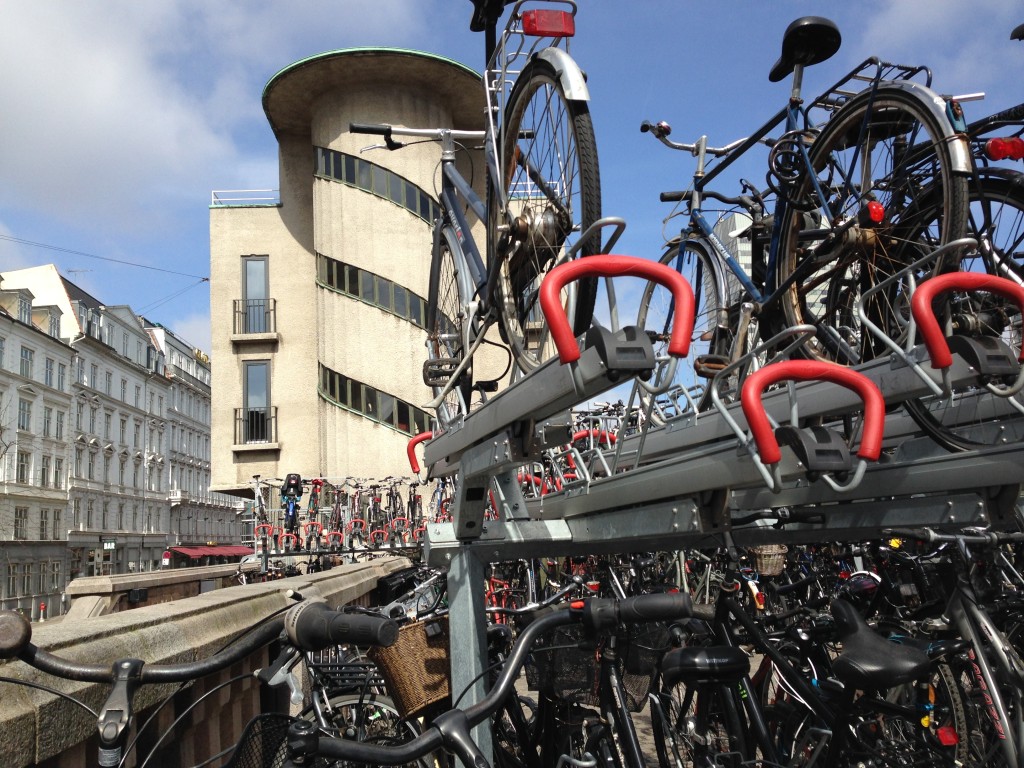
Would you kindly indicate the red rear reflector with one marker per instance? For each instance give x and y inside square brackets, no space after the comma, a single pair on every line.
[577,604]
[539,23]
[947,736]
[1005,149]
[876,212]
[759,599]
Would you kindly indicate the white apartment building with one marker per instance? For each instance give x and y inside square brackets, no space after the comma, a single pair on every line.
[35,407]
[200,519]
[97,416]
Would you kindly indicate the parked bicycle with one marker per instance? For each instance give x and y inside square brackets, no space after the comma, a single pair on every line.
[842,211]
[542,199]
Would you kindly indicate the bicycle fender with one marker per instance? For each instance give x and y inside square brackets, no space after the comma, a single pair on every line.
[571,77]
[959,150]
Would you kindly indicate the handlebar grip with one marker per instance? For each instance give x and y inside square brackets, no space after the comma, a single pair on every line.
[672,197]
[921,534]
[15,634]
[377,129]
[312,626]
[660,606]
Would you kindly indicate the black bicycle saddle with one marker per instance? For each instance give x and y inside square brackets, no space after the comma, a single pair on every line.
[486,13]
[808,40]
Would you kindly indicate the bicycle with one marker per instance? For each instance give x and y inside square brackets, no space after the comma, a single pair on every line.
[451,729]
[310,625]
[541,204]
[845,215]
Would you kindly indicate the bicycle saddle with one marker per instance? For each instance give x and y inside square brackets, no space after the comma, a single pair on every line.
[694,665]
[808,40]
[486,13]
[868,661]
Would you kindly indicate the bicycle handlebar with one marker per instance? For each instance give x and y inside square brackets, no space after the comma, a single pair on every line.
[451,729]
[434,134]
[930,536]
[313,626]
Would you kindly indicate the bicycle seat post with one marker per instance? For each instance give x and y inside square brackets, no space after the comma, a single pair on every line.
[798,79]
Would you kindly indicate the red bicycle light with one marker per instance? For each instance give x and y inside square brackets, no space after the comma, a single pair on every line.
[759,599]
[577,605]
[540,23]
[947,736]
[1005,149]
[876,212]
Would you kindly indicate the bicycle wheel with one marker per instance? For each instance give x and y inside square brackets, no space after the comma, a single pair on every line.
[971,417]
[710,338]
[447,301]
[883,146]
[368,717]
[550,176]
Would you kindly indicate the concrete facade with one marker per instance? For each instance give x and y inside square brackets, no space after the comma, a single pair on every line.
[346,254]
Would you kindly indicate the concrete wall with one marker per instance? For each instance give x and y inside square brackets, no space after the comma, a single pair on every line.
[38,728]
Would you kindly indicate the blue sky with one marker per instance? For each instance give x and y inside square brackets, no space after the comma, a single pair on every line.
[120,118]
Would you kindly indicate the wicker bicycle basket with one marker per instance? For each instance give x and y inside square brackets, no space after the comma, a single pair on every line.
[416,668]
[769,559]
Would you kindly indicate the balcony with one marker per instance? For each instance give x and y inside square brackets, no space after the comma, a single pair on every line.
[256,429]
[178,496]
[255,321]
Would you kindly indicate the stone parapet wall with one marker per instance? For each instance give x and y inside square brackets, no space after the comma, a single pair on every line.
[38,728]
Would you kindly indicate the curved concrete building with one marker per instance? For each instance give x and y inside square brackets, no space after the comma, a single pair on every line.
[318,297]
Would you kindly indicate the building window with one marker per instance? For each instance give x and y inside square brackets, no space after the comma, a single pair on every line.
[55,326]
[89,510]
[62,375]
[48,372]
[56,523]
[25,310]
[373,289]
[24,414]
[123,430]
[3,347]
[21,523]
[78,462]
[44,524]
[257,402]
[27,362]
[59,431]
[92,421]
[375,179]
[256,295]
[54,575]
[44,472]
[372,403]
[124,390]
[23,467]
[108,382]
[107,419]
[47,420]
[120,470]
[79,410]
[58,473]
[12,580]
[76,514]
[94,375]
[138,395]
[90,471]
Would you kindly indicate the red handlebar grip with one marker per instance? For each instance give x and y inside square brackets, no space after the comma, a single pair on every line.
[921,307]
[411,450]
[615,266]
[811,370]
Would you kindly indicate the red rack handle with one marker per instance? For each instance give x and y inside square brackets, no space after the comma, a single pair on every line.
[921,307]
[411,449]
[614,266]
[811,370]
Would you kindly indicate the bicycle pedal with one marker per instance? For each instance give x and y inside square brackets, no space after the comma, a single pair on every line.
[486,386]
[708,366]
[439,371]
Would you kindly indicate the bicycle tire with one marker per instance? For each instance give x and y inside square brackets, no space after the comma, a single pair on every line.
[548,162]
[709,340]
[884,145]
[448,299]
[971,417]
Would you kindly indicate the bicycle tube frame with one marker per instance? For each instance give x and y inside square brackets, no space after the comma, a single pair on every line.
[613,707]
[974,625]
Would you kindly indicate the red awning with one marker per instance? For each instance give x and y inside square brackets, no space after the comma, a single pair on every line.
[228,550]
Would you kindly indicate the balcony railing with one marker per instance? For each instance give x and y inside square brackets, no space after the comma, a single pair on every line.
[255,316]
[244,197]
[255,425]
